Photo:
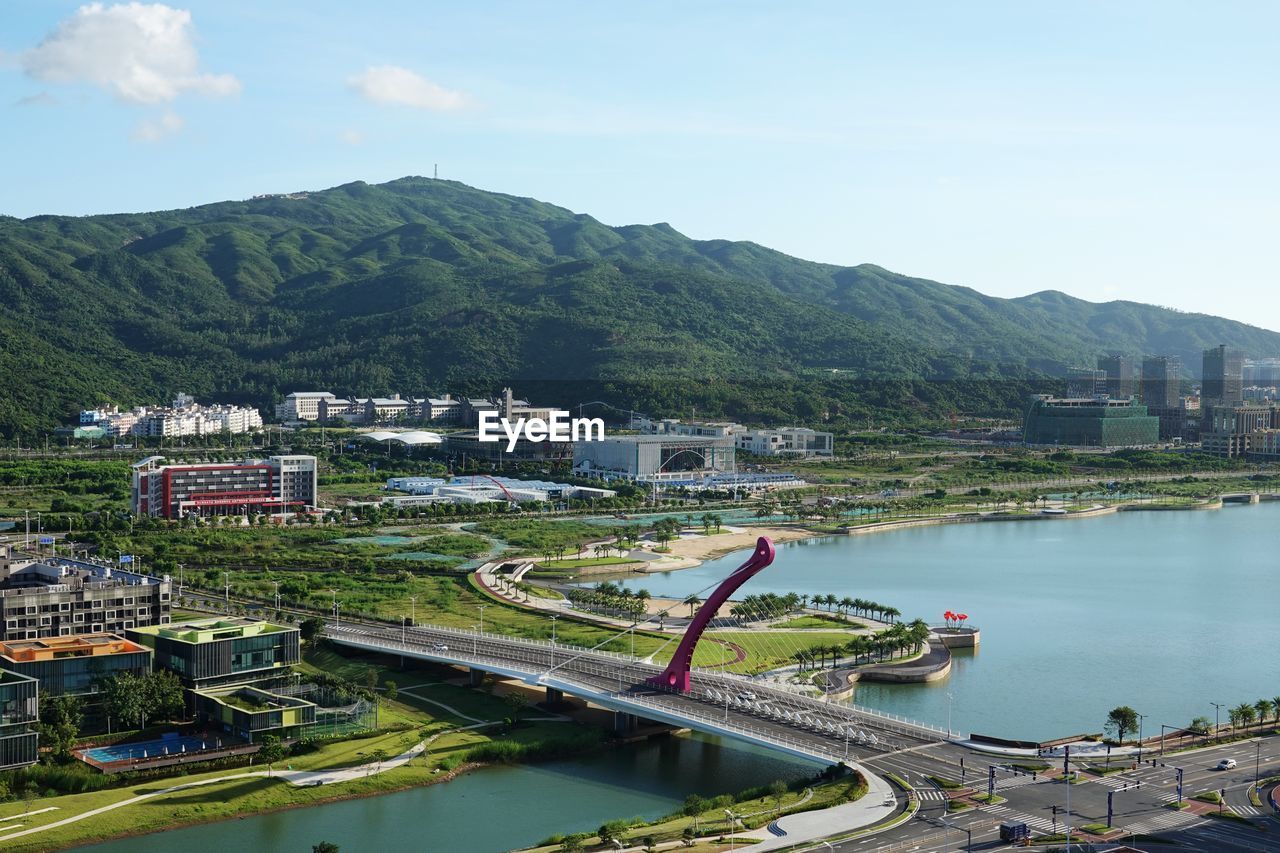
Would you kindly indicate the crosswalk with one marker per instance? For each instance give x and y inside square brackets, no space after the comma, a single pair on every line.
[1007,814]
[1013,782]
[931,795]
[1172,820]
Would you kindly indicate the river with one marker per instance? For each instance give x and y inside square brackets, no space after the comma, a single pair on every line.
[496,808]
[1163,611]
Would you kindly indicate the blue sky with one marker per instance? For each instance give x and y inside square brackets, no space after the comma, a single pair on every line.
[1110,150]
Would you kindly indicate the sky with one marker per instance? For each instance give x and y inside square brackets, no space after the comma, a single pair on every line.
[1108,150]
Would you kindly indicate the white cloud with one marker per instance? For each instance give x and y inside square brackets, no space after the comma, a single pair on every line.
[351,136]
[142,53]
[154,130]
[391,84]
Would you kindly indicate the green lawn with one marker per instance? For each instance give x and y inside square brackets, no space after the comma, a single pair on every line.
[820,621]
[584,563]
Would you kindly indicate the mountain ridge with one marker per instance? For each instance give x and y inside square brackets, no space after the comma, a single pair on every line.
[421,284]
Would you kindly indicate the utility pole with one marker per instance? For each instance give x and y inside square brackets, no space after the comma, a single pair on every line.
[413,610]
[226,589]
[1217,706]
[277,586]
[482,607]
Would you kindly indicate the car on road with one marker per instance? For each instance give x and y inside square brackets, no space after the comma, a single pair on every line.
[440,647]
[1227,764]
[746,696]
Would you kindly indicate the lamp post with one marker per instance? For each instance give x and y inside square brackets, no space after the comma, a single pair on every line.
[226,590]
[1217,706]
[482,607]
[1141,717]
[1257,761]
[554,617]
[276,584]
[334,593]
[413,610]
[950,697]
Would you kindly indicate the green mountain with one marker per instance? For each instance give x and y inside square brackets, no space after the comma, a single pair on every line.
[425,285]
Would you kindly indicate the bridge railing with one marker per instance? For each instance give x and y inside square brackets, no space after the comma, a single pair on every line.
[732,724]
[891,722]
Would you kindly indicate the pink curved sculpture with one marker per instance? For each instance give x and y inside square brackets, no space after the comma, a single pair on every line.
[676,675]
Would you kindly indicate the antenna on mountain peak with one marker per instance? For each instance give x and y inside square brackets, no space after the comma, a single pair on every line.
[436,171]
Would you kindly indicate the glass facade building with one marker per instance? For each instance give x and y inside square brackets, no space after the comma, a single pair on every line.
[221,651]
[74,665]
[1089,422]
[19,743]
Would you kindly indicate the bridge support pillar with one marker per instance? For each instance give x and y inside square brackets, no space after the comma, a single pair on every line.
[624,723]
[475,676]
[554,697]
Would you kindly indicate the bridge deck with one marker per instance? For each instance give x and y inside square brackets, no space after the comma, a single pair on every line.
[719,703]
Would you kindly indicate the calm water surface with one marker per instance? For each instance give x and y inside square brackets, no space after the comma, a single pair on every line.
[1163,611]
[493,809]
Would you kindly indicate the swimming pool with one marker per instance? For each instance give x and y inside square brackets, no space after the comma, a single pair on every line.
[172,745]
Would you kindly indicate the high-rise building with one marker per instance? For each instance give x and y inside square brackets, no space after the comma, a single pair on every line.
[1085,383]
[1118,375]
[1222,376]
[1160,381]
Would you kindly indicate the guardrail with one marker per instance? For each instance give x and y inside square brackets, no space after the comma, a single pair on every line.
[385,637]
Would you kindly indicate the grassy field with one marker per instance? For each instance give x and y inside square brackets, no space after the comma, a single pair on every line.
[585,562]
[820,621]
[765,649]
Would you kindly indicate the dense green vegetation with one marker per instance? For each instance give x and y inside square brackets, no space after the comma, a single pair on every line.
[424,285]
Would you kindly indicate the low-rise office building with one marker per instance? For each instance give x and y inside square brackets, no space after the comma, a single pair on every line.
[74,665]
[786,441]
[19,713]
[276,484]
[302,405]
[58,597]
[221,651]
[1089,422]
[250,713]
[653,458]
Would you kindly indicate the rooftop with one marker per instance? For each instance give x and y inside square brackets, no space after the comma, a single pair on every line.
[56,648]
[209,630]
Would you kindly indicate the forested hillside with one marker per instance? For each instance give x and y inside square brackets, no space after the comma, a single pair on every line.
[421,285]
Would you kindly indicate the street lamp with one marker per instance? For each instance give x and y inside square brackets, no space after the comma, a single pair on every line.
[482,607]
[553,640]
[277,586]
[1217,706]
[413,610]
[1141,717]
[950,697]
[226,589]
[1257,762]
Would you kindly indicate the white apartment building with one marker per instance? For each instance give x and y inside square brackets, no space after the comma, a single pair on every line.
[185,417]
[787,441]
[303,405]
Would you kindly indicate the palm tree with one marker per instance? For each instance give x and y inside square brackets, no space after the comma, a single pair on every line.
[1263,709]
[1275,709]
[846,604]
[692,601]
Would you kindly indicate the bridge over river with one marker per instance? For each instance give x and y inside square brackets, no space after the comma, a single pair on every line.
[767,714]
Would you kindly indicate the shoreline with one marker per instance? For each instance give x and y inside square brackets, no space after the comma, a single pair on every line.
[699,549]
[448,776]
